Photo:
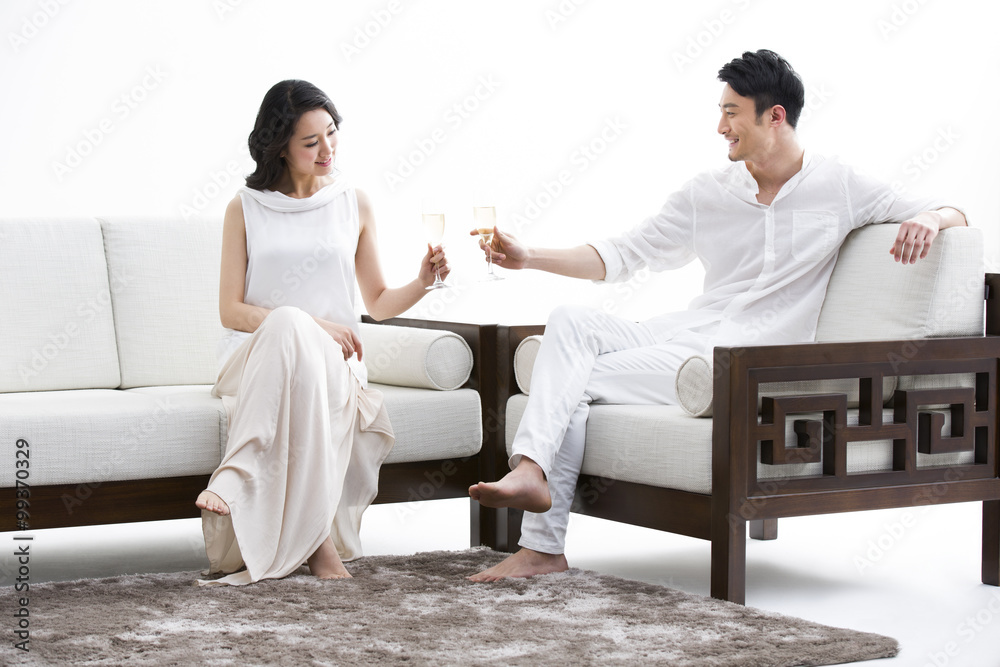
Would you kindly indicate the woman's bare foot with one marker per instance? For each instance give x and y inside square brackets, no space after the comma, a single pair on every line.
[525,563]
[325,563]
[213,503]
[523,488]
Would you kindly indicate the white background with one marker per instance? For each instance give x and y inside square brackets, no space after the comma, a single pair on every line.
[124,107]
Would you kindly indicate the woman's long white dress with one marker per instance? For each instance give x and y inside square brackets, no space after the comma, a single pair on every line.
[306,435]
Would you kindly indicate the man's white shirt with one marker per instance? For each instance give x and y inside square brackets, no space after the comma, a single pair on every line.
[766,266]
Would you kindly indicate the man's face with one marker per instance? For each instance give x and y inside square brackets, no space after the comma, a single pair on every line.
[739,124]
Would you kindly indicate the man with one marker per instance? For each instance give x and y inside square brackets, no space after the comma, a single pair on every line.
[767,229]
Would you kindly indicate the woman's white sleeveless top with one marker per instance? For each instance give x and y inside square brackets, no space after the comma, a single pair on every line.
[300,252]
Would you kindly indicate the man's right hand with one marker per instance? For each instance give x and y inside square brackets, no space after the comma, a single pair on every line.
[583,261]
[507,251]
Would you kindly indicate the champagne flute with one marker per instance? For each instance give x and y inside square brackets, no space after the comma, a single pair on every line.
[486,220]
[434,231]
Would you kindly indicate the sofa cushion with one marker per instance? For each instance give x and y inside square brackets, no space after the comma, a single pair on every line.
[941,295]
[103,435]
[524,361]
[433,424]
[411,357]
[661,446]
[872,297]
[166,304]
[57,330]
[694,386]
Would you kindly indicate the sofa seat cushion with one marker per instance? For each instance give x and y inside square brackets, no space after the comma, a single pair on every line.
[661,446]
[416,416]
[432,424]
[103,435]
[57,329]
[195,396]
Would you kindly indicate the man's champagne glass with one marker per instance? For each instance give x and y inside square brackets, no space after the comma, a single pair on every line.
[486,220]
[434,231]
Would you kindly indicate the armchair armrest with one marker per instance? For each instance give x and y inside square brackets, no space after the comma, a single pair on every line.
[738,428]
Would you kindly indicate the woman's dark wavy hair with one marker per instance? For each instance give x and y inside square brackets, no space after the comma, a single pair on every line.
[281,109]
[767,79]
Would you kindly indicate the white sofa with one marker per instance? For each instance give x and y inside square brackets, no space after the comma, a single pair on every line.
[847,443]
[107,358]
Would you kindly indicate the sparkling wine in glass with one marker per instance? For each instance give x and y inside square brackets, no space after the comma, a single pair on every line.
[486,220]
[434,230]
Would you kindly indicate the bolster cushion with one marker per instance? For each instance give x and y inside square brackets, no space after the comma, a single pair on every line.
[694,385]
[524,361]
[411,357]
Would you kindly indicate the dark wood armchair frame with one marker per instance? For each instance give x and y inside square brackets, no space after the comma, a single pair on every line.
[84,504]
[739,498]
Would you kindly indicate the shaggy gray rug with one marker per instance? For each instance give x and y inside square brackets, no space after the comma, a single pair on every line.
[417,610]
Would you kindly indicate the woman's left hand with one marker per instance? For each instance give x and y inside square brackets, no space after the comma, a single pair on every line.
[434,261]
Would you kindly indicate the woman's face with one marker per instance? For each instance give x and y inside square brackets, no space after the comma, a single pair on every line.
[313,146]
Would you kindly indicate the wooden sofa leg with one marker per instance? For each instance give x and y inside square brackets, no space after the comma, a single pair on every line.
[991,542]
[729,559]
[764,529]
[498,529]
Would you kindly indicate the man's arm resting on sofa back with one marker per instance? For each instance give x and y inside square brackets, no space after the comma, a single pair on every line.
[918,233]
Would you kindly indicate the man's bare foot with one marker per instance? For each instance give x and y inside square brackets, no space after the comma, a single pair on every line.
[525,563]
[213,503]
[325,563]
[523,488]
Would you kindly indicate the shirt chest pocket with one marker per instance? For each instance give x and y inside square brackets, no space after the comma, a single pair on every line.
[814,234]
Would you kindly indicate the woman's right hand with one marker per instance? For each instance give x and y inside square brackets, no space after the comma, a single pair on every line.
[507,251]
[344,336]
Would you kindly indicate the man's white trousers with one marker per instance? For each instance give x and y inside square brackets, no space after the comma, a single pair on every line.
[587,356]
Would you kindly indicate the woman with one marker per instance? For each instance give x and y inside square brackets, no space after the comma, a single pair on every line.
[306,435]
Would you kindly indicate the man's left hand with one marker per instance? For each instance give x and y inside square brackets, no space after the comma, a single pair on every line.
[915,237]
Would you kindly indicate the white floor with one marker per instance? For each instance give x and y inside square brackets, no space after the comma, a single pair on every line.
[911,574]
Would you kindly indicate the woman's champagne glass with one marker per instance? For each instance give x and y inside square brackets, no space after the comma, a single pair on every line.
[434,231]
[486,220]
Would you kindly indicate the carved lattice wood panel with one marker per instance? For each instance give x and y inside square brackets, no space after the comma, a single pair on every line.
[917,425]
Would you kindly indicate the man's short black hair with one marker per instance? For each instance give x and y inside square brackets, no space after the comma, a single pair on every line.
[767,79]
